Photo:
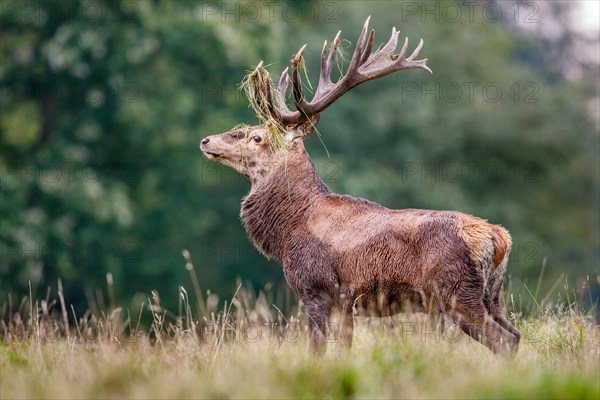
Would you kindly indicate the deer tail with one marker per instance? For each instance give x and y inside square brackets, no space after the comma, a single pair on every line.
[502,244]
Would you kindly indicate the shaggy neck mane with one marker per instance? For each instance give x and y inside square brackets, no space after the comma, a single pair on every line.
[278,202]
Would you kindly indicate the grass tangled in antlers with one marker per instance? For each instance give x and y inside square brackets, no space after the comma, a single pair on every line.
[256,84]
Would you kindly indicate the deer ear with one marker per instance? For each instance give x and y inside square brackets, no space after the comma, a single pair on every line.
[304,129]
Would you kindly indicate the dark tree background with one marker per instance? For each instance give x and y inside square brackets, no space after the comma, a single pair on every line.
[103,105]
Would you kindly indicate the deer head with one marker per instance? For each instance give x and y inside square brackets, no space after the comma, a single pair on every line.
[254,151]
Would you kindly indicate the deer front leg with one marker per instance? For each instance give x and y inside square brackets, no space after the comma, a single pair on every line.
[318,311]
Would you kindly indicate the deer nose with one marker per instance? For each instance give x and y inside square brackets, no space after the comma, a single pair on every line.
[205,140]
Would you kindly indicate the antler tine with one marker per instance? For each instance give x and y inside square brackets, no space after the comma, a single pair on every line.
[286,116]
[284,80]
[358,51]
[367,51]
[417,50]
[323,61]
[332,52]
[325,75]
[392,43]
[296,81]
[327,61]
[256,73]
[404,48]
[270,108]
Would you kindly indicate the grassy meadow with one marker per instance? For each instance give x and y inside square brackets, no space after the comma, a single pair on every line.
[249,348]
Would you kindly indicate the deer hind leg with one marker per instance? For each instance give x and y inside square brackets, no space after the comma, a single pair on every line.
[466,303]
[481,326]
[497,279]
[496,314]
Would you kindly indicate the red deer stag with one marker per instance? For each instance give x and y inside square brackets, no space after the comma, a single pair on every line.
[348,254]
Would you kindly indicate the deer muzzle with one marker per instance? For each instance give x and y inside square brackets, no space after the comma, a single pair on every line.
[209,149]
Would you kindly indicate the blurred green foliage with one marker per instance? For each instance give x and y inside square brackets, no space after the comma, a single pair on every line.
[104,104]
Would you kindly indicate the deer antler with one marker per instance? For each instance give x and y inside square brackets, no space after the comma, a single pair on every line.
[364,66]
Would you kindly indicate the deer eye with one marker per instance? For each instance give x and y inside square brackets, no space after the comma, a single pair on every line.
[257,139]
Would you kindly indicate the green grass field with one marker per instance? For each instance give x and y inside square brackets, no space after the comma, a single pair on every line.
[248,349]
